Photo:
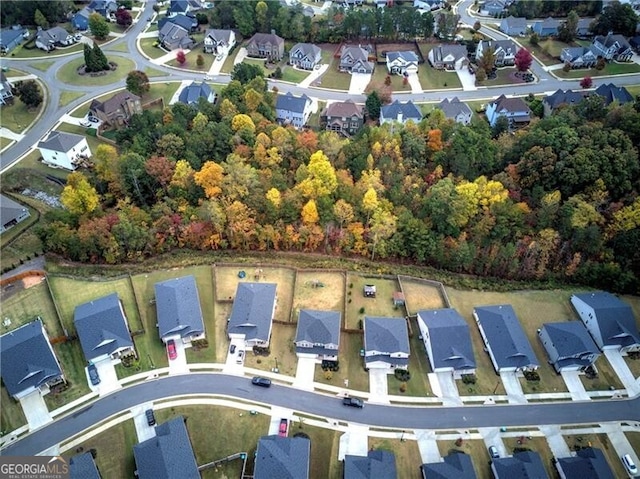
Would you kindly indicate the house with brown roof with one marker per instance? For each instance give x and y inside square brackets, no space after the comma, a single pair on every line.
[343,116]
[266,45]
[514,109]
[117,110]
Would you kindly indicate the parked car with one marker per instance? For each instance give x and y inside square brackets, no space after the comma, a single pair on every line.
[493,452]
[353,402]
[93,119]
[151,418]
[240,357]
[232,349]
[171,349]
[629,464]
[85,123]
[258,381]
[284,426]
[94,377]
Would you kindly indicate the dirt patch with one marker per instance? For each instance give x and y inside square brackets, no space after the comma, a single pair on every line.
[32,281]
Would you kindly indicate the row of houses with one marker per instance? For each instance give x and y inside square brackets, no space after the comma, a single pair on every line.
[544,28]
[609,92]
[609,47]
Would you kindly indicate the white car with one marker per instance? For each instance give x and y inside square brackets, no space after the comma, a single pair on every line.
[629,465]
[85,123]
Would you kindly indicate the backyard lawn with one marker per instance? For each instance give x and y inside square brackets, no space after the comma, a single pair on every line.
[319,290]
[476,449]
[420,295]
[359,306]
[548,51]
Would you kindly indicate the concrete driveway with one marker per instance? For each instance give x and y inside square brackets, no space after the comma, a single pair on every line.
[414,81]
[467,79]
[622,370]
[176,95]
[242,54]
[512,387]
[378,386]
[620,442]
[354,442]
[35,410]
[217,65]
[359,82]
[143,430]
[575,386]
[450,394]
[108,377]
[278,413]
[428,446]
[305,370]
[491,437]
[179,364]
[555,440]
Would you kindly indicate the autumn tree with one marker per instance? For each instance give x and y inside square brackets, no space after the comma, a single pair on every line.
[78,196]
[181,58]
[261,16]
[586,82]
[137,82]
[241,122]
[487,60]
[343,212]
[210,179]
[310,212]
[199,61]
[123,17]
[320,179]
[98,26]
[523,60]
[370,202]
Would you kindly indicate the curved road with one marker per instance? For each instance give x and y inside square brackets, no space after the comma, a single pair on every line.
[399,417]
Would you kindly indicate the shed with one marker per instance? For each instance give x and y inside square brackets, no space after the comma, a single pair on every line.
[369,291]
[398,298]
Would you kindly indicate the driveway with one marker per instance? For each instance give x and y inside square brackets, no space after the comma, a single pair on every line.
[354,442]
[491,437]
[359,82]
[313,76]
[428,446]
[555,440]
[242,54]
[513,387]
[167,57]
[414,81]
[622,370]
[35,410]
[231,365]
[467,79]
[620,442]
[176,95]
[575,386]
[217,64]
[278,413]
[378,386]
[305,371]
[108,377]
[143,430]
[450,394]
[179,364]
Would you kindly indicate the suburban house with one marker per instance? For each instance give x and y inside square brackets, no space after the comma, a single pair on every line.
[64,150]
[293,110]
[612,47]
[449,57]
[504,51]
[318,334]
[514,25]
[106,8]
[561,98]
[178,310]
[386,343]
[355,60]
[523,465]
[188,22]
[582,30]
[168,454]
[102,329]
[402,63]
[400,112]
[182,7]
[587,462]
[447,339]
[192,93]
[27,361]
[83,466]
[173,37]
[80,20]
[378,464]
[48,40]
[568,345]
[343,116]
[428,5]
[117,110]
[11,213]
[635,43]
[611,93]
[252,313]
[506,341]
[514,109]
[547,27]
[494,8]
[305,56]
[219,42]
[456,465]
[11,38]
[579,57]
[609,320]
[282,457]
[266,45]
[456,110]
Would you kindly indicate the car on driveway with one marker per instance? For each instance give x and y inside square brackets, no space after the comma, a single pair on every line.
[353,402]
[171,349]
[493,452]
[232,349]
[258,381]
[629,464]
[284,426]
[240,357]
[94,377]
[151,418]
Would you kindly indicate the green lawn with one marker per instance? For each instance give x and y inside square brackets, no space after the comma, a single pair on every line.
[474,448]
[21,52]
[120,47]
[381,305]
[33,163]
[334,79]
[67,97]
[4,142]
[434,79]
[147,45]
[192,58]
[609,69]
[294,76]
[164,90]
[503,77]
[378,81]
[68,73]
[11,415]
[282,351]
[20,243]
[418,385]
[153,72]
[42,65]
[314,119]
[548,51]
[607,377]
[351,365]
[228,64]
[18,117]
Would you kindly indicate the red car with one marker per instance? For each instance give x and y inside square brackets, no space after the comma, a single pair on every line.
[171,349]
[284,425]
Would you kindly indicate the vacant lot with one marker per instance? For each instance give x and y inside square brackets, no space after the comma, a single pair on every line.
[406,452]
[537,444]
[476,449]
[420,295]
[318,290]
[358,306]
[351,365]
[282,351]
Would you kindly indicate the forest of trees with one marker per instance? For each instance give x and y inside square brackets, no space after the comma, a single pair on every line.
[558,200]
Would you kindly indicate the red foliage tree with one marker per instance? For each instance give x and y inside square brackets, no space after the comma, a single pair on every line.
[586,82]
[181,57]
[523,60]
[123,17]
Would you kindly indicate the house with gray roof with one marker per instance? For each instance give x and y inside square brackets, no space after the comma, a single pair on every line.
[188,22]
[318,334]
[254,307]
[611,93]
[546,28]
[116,110]
[506,341]
[344,117]
[82,466]
[178,309]
[266,45]
[456,110]
[612,47]
[400,113]
[588,463]
[27,361]
[514,25]
[447,339]
[219,42]
[10,38]
[609,320]
[523,465]
[173,37]
[402,63]
[355,60]
[293,110]
[579,57]
[282,457]
[103,329]
[515,110]
[52,38]
[561,98]
[456,465]
[106,8]
[192,93]
[448,57]
[11,213]
[64,150]
[569,345]
[503,50]
[583,30]
[494,8]
[377,464]
[386,343]
[305,56]
[167,455]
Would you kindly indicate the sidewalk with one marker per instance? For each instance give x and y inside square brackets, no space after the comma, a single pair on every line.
[6,133]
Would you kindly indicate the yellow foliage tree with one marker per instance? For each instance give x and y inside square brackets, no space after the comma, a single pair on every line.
[310,212]
[274,197]
[182,175]
[199,122]
[242,121]
[228,109]
[210,178]
[626,218]
[252,99]
[78,196]
[370,202]
[321,177]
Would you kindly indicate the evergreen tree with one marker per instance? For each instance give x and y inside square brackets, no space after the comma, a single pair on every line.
[89,59]
[373,105]
[101,60]
[39,19]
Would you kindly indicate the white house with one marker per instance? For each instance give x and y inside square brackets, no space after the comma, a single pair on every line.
[48,40]
[219,42]
[293,110]
[64,150]
[402,63]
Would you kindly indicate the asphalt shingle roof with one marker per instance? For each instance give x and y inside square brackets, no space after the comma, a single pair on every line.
[9,35]
[252,310]
[168,455]
[9,210]
[407,56]
[570,338]
[564,97]
[454,107]
[308,49]
[588,463]
[450,339]
[193,92]
[455,466]
[507,340]
[82,466]
[344,109]
[290,102]
[378,464]
[318,327]
[408,110]
[178,307]
[523,465]
[282,458]
[611,93]
[26,358]
[60,141]
[114,103]
[219,35]
[386,335]
[101,326]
